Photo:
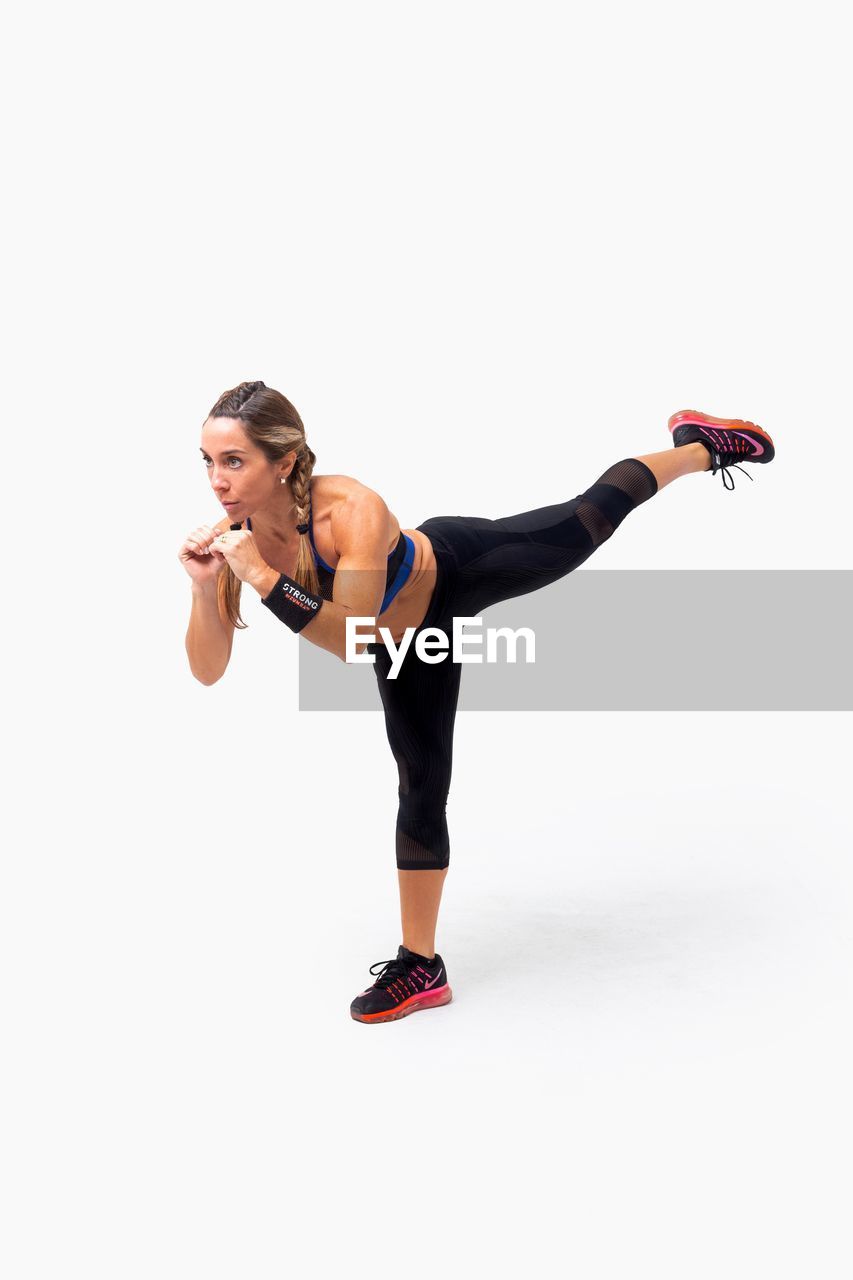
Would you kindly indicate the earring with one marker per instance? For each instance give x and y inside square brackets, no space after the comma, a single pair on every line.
[283,480]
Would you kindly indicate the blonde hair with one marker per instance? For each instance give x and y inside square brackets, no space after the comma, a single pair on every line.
[272,423]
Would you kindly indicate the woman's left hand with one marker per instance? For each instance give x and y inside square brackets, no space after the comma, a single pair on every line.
[237,548]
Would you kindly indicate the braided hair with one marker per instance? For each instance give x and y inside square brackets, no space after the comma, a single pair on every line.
[273,424]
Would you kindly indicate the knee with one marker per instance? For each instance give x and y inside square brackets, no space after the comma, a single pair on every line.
[423,842]
[422,809]
[604,506]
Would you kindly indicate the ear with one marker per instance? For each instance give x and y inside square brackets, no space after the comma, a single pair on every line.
[288,463]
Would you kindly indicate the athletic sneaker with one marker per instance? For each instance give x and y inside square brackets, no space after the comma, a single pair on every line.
[407,983]
[728,440]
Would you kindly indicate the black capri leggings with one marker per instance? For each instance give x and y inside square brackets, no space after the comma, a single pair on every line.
[479,563]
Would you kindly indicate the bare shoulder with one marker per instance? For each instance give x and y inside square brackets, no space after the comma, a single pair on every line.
[331,491]
[355,512]
[344,499]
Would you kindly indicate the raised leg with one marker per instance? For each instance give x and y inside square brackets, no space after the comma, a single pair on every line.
[672,463]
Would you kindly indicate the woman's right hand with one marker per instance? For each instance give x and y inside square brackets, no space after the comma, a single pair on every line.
[201,561]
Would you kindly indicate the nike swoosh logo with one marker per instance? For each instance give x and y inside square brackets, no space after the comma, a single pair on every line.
[427,985]
[757,446]
[697,422]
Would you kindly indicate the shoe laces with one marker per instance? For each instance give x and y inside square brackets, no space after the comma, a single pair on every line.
[400,977]
[392,971]
[723,462]
[726,447]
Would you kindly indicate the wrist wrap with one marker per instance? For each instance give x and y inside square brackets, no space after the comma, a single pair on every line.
[291,603]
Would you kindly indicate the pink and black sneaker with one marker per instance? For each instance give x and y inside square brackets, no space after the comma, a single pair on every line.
[728,440]
[405,984]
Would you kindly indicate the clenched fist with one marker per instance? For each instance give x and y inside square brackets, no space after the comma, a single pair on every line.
[206,552]
[202,561]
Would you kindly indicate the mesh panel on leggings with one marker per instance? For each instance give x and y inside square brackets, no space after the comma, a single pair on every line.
[606,503]
[412,856]
[595,522]
[632,477]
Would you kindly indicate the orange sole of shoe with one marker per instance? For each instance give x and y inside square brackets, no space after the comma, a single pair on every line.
[412,1005]
[696,415]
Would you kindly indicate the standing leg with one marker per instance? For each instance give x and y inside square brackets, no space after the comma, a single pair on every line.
[420,898]
[420,713]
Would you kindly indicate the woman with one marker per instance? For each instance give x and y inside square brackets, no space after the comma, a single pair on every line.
[319,549]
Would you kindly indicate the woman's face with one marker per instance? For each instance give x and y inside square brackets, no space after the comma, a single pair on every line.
[241,476]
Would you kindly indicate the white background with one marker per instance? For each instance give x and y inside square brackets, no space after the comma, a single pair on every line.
[486,250]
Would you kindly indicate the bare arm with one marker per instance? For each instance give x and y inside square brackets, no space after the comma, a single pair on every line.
[361,529]
[209,635]
[209,638]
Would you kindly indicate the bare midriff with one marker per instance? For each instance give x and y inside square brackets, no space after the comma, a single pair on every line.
[409,606]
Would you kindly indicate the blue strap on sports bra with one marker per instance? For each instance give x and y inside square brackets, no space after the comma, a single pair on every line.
[402,573]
